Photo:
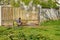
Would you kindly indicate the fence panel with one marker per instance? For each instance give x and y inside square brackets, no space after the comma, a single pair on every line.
[9,14]
[27,17]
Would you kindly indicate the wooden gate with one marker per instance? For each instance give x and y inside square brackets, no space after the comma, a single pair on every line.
[9,14]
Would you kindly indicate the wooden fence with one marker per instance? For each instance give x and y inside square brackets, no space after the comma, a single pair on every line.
[10,14]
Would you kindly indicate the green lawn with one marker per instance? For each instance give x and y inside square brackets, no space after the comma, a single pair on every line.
[46,31]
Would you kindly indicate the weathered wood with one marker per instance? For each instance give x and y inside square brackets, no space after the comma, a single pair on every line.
[9,14]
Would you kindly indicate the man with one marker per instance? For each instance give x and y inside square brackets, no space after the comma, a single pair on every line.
[19,23]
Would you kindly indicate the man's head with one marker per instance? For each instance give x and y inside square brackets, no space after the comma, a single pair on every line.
[19,18]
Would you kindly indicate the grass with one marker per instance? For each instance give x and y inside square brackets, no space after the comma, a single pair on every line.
[47,31]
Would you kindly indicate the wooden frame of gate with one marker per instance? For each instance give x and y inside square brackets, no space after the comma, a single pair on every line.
[10,14]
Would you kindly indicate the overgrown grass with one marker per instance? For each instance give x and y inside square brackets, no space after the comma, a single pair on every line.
[51,23]
[47,31]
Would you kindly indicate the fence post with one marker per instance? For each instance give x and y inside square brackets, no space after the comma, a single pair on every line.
[0,15]
[59,13]
[39,12]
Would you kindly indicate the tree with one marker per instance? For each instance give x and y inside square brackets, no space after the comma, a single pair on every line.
[26,1]
[1,1]
[48,4]
[36,2]
[15,4]
[52,4]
